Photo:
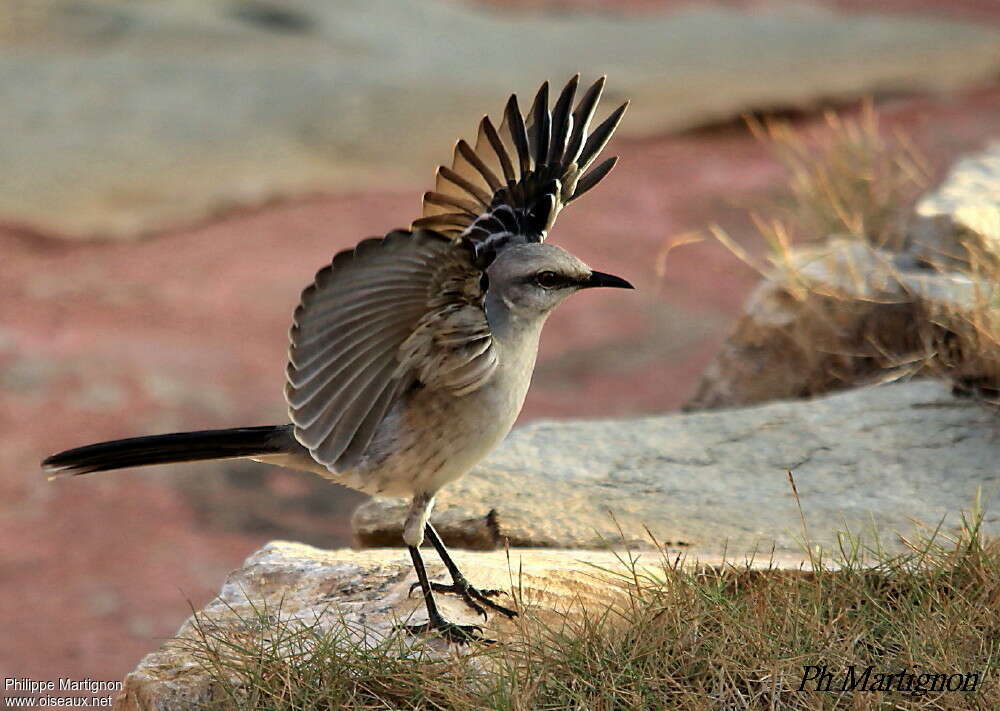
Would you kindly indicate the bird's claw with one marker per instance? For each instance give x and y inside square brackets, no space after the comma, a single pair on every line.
[459,634]
[441,587]
[472,597]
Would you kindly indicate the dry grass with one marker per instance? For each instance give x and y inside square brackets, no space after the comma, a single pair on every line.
[861,325]
[683,638]
[853,181]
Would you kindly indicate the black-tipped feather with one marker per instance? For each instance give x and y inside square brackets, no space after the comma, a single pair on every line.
[544,159]
[562,122]
[476,162]
[466,206]
[593,177]
[168,448]
[538,131]
[582,116]
[501,152]
[600,137]
[447,222]
[518,133]
[454,178]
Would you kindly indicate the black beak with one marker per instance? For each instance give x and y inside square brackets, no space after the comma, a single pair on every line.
[602,279]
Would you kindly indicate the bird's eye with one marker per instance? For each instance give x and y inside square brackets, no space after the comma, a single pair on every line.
[547,280]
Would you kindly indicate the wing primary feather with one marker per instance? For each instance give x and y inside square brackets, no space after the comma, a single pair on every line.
[593,176]
[538,131]
[443,222]
[319,391]
[304,359]
[448,223]
[305,355]
[457,180]
[356,289]
[468,171]
[562,121]
[514,122]
[320,435]
[600,137]
[530,165]
[366,431]
[470,155]
[360,399]
[343,301]
[320,331]
[328,315]
[317,418]
[450,201]
[312,308]
[494,140]
[582,116]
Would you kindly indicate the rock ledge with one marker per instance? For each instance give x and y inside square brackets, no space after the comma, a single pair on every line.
[363,594]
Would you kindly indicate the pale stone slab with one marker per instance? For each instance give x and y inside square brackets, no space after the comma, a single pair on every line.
[365,593]
[970,195]
[884,456]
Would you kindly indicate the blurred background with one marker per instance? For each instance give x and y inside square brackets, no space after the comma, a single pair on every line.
[173,173]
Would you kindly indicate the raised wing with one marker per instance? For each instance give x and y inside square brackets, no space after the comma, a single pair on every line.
[378,319]
[515,181]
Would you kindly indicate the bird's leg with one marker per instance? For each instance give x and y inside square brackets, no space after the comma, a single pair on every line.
[435,623]
[459,584]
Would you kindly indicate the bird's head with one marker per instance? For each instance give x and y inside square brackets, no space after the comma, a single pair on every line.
[532,279]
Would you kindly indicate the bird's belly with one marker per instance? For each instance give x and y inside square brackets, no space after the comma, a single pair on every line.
[432,439]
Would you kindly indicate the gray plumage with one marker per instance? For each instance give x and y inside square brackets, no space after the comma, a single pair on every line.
[411,354]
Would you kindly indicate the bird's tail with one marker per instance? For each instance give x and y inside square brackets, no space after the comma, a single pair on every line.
[167,448]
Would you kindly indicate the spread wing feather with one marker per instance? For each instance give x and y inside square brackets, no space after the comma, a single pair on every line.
[379,318]
[515,181]
[408,308]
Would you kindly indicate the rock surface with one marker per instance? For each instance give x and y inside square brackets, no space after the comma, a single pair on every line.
[132,117]
[844,313]
[363,594]
[886,456]
[970,195]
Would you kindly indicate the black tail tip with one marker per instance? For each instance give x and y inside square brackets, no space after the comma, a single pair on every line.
[57,468]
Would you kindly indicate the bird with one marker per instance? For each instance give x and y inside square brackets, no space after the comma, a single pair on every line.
[411,354]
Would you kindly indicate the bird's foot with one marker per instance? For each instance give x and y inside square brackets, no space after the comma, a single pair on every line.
[471,596]
[459,634]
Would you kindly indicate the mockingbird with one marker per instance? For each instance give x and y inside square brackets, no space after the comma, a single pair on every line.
[411,354]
